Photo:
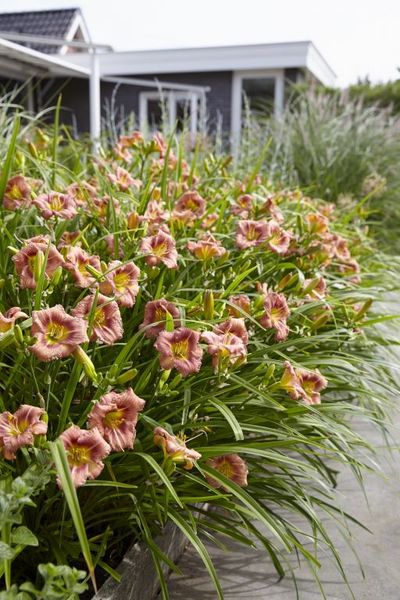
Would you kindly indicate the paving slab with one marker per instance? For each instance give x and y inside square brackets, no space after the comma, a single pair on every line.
[247,574]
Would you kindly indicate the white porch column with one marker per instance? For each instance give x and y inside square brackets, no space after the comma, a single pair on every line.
[95,100]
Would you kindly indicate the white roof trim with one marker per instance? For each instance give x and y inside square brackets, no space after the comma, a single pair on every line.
[221,58]
[77,23]
[19,62]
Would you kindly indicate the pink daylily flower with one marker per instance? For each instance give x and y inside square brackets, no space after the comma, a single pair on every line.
[160,248]
[180,349]
[7,320]
[206,248]
[234,326]
[55,204]
[226,349]
[230,465]
[275,315]
[24,260]
[243,206]
[241,301]
[209,221]
[76,262]
[107,322]
[115,416]
[317,223]
[272,209]
[81,192]
[19,429]
[155,313]
[155,213]
[175,448]
[303,384]
[57,334]
[124,180]
[17,193]
[278,239]
[251,233]
[193,202]
[122,282]
[85,453]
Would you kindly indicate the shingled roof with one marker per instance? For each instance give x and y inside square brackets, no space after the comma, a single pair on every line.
[52,23]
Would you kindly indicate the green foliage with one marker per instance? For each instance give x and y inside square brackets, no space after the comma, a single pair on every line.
[292,448]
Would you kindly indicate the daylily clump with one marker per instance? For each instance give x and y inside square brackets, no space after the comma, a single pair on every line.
[162,323]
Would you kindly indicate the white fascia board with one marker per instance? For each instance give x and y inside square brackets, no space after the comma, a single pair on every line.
[46,65]
[77,23]
[318,66]
[303,55]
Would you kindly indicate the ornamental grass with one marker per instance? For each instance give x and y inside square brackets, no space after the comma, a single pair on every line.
[177,345]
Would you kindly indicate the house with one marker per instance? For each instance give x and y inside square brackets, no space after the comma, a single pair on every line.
[205,87]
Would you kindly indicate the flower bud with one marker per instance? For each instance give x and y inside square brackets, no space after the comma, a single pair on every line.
[38,264]
[268,374]
[33,150]
[55,280]
[19,337]
[127,376]
[89,368]
[97,274]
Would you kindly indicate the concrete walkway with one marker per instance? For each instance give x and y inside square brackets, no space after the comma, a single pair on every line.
[247,574]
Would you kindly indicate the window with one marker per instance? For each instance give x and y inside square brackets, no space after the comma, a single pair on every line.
[261,90]
[172,109]
[258,94]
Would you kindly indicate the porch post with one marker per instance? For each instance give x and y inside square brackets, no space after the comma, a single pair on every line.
[95,100]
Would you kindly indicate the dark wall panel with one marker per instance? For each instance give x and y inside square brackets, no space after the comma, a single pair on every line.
[124,99]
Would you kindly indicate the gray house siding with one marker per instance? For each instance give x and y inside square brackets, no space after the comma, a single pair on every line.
[75,96]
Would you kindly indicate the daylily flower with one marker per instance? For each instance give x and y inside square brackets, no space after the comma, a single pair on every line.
[230,465]
[206,248]
[351,266]
[180,349]
[317,223]
[303,384]
[234,326]
[251,233]
[275,315]
[134,220]
[17,193]
[76,262]
[272,209]
[100,207]
[225,348]
[85,453]
[243,206]
[69,238]
[160,248]
[133,140]
[107,322]
[122,152]
[209,221]
[24,260]
[193,202]
[115,416]
[57,334]
[55,204]
[123,179]
[7,320]
[318,289]
[155,213]
[278,239]
[155,313]
[19,429]
[81,192]
[240,301]
[175,448]
[122,281]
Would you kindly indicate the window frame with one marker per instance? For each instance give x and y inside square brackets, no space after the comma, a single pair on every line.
[171,97]
[237,89]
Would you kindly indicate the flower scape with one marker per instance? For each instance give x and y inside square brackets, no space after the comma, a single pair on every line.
[171,334]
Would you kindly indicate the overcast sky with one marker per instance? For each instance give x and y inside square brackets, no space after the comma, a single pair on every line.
[357,37]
